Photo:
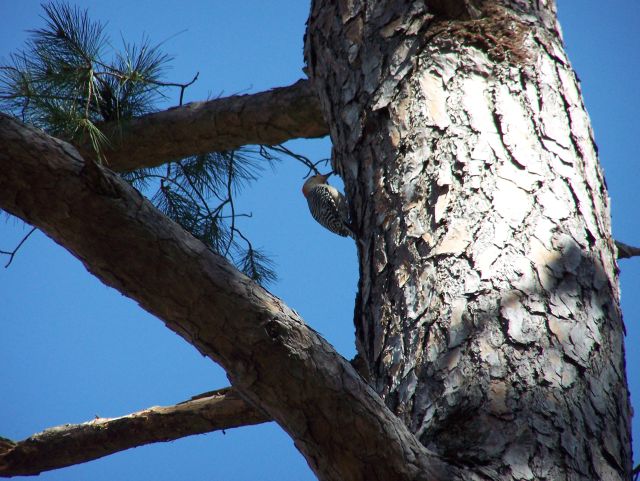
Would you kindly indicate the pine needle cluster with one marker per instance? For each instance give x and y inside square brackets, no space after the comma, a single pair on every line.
[69,80]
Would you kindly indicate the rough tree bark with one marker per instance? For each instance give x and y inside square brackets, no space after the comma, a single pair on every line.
[488,307]
[275,362]
[487,317]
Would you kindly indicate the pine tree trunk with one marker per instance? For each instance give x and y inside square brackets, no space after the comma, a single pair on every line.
[488,313]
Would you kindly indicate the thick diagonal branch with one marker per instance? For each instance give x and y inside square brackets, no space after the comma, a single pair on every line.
[270,118]
[272,358]
[77,443]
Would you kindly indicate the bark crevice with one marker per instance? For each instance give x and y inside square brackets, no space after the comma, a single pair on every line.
[488,294]
[296,377]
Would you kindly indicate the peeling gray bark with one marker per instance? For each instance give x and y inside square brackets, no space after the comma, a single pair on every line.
[488,307]
[272,358]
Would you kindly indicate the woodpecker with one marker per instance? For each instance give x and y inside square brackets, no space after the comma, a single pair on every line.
[328,206]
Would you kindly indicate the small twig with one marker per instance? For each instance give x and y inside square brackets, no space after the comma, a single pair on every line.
[626,251]
[636,473]
[14,252]
[233,209]
[245,239]
[114,72]
[157,83]
[313,166]
[184,86]
[249,246]
[237,215]
[218,209]
[173,84]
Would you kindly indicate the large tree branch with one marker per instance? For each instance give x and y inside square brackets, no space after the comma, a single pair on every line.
[77,443]
[270,118]
[272,358]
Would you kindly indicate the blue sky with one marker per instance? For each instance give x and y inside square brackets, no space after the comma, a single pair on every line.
[73,349]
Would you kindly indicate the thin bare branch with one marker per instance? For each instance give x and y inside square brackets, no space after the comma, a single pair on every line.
[306,161]
[183,87]
[232,228]
[13,253]
[78,443]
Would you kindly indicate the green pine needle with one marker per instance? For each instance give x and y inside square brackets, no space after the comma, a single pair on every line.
[68,80]
[257,265]
[63,83]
